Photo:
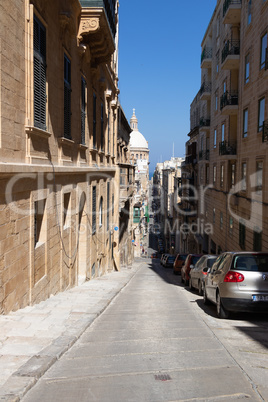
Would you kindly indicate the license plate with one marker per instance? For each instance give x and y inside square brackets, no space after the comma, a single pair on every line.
[260,297]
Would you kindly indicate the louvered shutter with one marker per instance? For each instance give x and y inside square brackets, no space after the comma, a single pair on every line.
[83,110]
[94,119]
[67,98]
[94,209]
[39,75]
[108,205]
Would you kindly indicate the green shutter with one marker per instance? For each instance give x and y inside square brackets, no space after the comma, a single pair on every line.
[39,75]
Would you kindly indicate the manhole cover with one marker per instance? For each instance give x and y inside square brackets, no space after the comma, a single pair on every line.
[162,377]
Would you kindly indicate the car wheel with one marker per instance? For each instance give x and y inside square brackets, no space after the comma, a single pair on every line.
[200,290]
[205,298]
[221,312]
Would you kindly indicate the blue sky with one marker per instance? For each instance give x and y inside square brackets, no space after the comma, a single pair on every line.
[159,68]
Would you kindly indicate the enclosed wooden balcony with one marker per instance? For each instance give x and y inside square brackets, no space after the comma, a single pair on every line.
[231,11]
[97,28]
[230,56]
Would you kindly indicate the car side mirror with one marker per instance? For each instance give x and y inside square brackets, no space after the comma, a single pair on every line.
[208,270]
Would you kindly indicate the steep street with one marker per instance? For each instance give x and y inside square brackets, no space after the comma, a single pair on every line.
[157,342]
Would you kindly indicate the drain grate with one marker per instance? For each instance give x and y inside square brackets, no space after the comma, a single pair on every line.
[162,377]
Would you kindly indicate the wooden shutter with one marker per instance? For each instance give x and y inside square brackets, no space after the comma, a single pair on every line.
[108,205]
[94,119]
[67,98]
[94,200]
[83,110]
[39,75]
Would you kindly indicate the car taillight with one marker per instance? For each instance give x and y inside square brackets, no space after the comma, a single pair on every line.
[232,276]
[204,273]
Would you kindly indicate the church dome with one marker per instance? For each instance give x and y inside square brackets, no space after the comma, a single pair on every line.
[137,140]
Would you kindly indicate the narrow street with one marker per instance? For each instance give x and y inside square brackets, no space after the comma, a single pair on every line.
[155,342]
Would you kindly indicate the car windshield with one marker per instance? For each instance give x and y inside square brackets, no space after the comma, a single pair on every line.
[251,262]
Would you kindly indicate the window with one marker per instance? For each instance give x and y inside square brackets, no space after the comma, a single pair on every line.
[222,175]
[259,176]
[108,205]
[242,234]
[108,130]
[214,174]
[66,210]
[232,175]
[244,177]
[94,120]
[247,69]
[245,123]
[94,194]
[257,239]
[67,97]
[216,101]
[261,114]
[102,127]
[207,174]
[214,215]
[39,75]
[222,132]
[83,110]
[101,212]
[221,220]
[231,226]
[217,61]
[215,138]
[249,12]
[263,50]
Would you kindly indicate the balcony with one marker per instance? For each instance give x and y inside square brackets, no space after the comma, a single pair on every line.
[229,103]
[205,91]
[230,55]
[97,28]
[204,155]
[265,131]
[206,57]
[227,148]
[204,123]
[232,11]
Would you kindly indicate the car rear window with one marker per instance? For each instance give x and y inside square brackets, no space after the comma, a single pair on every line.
[211,261]
[194,260]
[251,262]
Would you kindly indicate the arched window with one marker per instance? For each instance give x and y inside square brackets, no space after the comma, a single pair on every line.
[101,212]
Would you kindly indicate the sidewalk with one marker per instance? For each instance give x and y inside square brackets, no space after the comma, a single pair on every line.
[33,338]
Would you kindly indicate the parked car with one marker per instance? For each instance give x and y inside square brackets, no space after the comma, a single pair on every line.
[154,255]
[190,261]
[238,281]
[163,256]
[179,261]
[169,261]
[199,272]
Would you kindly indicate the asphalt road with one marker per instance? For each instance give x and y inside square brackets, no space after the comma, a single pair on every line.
[157,342]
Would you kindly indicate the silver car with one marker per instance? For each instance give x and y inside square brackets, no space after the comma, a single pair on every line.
[238,281]
[199,272]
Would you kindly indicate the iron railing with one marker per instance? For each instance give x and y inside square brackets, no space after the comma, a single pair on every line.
[206,53]
[266,59]
[265,131]
[227,148]
[205,87]
[229,98]
[227,3]
[231,48]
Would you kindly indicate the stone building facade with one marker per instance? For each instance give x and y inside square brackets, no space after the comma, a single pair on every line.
[233,130]
[59,193]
